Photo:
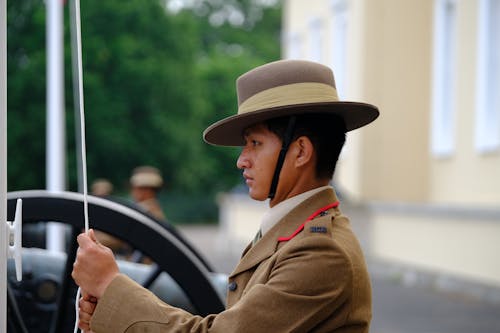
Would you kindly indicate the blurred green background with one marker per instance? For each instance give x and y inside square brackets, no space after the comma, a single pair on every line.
[156,74]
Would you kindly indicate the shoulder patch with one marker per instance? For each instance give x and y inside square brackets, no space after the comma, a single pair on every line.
[318,229]
[320,225]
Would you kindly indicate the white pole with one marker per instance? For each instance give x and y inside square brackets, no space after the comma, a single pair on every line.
[56,139]
[3,166]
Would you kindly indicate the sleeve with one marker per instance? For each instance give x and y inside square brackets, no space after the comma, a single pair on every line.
[308,283]
[128,307]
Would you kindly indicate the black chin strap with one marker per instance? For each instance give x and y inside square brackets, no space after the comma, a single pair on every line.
[281,158]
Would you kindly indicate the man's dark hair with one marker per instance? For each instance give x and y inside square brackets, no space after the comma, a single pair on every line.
[326,132]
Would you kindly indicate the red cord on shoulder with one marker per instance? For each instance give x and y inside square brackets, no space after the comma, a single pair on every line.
[313,215]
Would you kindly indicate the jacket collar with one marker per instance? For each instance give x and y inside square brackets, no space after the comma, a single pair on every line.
[276,213]
[268,244]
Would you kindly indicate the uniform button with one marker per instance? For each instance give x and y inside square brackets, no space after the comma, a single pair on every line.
[232,286]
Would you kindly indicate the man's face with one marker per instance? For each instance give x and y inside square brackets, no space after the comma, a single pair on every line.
[142,193]
[258,160]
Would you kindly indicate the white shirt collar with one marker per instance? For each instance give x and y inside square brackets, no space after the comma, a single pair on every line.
[276,213]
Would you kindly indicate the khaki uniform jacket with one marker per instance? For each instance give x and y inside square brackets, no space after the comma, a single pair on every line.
[315,282]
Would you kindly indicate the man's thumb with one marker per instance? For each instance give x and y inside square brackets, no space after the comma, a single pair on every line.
[92,236]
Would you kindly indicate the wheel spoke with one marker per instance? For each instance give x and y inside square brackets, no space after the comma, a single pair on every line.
[62,319]
[155,272]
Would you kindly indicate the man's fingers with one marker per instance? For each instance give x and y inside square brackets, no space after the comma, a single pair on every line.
[87,239]
[85,311]
[92,235]
[87,297]
[84,317]
[86,306]
[84,240]
[84,325]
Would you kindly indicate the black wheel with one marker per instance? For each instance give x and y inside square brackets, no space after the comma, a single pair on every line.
[44,300]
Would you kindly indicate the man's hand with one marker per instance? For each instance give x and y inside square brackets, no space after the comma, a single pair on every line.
[95,266]
[87,304]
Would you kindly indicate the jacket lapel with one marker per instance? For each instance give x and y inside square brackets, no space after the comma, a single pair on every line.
[268,244]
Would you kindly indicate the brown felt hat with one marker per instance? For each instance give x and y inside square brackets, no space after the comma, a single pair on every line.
[283,88]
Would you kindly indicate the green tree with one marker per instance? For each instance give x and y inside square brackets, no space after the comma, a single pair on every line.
[140,89]
[228,49]
[153,80]
[26,94]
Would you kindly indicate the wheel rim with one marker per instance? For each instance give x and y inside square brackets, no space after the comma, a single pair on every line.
[160,242]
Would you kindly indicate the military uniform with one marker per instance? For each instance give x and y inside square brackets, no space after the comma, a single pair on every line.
[147,178]
[152,206]
[302,276]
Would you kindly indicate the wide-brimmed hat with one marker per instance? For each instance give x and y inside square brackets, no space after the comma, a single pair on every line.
[284,88]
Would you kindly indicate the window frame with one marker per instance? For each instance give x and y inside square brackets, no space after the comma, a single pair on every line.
[444,79]
[339,35]
[487,126]
[315,37]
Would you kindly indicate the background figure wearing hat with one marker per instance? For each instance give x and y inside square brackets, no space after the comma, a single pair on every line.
[103,188]
[305,271]
[146,182]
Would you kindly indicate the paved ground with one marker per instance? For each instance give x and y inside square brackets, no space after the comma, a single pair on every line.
[396,308]
[400,309]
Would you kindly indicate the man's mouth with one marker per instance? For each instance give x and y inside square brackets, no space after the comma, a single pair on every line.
[248,179]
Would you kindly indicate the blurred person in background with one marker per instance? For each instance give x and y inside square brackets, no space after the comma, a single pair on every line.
[305,270]
[103,188]
[145,183]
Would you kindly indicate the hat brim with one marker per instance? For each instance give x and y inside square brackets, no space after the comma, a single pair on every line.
[229,131]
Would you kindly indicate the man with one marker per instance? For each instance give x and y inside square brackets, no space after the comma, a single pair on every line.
[305,271]
[145,183]
[101,187]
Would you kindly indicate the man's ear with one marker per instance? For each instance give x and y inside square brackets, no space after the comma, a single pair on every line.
[304,151]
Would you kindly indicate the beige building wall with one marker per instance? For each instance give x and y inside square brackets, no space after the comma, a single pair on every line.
[397,66]
[389,65]
[457,243]
[440,213]
[467,176]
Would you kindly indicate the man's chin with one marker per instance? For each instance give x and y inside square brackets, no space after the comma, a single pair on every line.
[257,196]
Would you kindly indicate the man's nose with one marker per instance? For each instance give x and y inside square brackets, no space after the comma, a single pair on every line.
[242,162]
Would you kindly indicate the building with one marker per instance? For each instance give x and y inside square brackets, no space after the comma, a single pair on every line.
[429,168]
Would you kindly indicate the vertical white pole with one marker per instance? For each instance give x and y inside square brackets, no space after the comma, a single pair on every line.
[56,139]
[3,166]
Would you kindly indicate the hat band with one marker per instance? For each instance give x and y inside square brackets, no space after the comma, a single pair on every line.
[290,94]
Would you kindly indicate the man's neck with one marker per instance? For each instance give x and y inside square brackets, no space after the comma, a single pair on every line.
[299,189]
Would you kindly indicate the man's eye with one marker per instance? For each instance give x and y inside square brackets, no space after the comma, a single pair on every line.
[255,143]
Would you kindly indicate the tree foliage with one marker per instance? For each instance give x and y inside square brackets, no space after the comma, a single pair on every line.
[153,80]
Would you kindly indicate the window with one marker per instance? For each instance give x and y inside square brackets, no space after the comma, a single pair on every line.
[315,40]
[488,77]
[294,46]
[339,44]
[443,103]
